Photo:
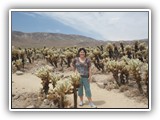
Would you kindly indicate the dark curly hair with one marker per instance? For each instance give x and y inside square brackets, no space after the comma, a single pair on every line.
[82,49]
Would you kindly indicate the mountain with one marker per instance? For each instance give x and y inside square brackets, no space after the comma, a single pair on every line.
[40,39]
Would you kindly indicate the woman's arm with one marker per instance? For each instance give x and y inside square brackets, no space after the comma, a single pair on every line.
[90,74]
[89,70]
[73,65]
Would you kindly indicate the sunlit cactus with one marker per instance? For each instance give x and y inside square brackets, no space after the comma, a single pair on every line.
[145,77]
[15,54]
[45,74]
[54,97]
[75,79]
[142,46]
[96,52]
[135,69]
[124,72]
[136,48]
[116,52]
[18,64]
[44,52]
[109,46]
[120,71]
[91,55]
[113,66]
[54,79]
[29,54]
[105,54]
[128,51]
[110,49]
[69,56]
[122,46]
[63,87]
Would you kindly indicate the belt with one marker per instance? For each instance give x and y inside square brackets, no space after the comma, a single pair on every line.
[84,76]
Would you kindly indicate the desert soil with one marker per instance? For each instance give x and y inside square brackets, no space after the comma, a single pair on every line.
[102,98]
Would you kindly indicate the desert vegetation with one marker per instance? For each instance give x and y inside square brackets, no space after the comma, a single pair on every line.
[127,63]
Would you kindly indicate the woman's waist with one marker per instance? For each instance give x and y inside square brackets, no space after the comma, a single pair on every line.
[84,76]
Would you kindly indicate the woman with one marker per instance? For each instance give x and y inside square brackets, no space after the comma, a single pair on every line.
[82,65]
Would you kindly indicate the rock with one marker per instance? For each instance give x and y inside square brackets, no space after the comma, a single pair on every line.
[93,79]
[52,105]
[22,98]
[19,73]
[46,102]
[101,85]
[30,106]
[16,96]
[44,106]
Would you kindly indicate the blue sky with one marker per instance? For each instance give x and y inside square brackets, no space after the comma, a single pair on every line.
[98,25]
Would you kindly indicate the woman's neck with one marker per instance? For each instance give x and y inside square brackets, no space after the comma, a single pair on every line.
[82,58]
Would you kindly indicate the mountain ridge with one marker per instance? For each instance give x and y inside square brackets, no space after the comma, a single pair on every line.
[40,39]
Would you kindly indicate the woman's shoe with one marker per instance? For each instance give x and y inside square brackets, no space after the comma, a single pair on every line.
[81,103]
[92,105]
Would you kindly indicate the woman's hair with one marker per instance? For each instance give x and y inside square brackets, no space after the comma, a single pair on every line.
[82,49]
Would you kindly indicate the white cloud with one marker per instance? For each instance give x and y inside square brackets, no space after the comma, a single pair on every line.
[106,25]
[53,30]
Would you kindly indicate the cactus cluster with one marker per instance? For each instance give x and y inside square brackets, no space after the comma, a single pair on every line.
[61,85]
[75,78]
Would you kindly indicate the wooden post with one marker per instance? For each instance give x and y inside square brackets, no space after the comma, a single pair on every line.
[75,96]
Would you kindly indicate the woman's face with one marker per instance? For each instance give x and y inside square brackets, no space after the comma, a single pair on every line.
[82,53]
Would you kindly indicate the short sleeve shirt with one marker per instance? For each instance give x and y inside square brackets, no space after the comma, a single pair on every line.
[82,68]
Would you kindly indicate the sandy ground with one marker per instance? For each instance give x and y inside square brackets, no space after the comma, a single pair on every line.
[101,97]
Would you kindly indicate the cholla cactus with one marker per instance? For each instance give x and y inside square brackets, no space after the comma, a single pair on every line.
[145,76]
[113,66]
[63,87]
[96,52]
[18,64]
[52,57]
[105,54]
[44,72]
[135,67]
[124,72]
[54,97]
[118,68]
[75,78]
[128,51]
[58,100]
[142,46]
[109,46]
[125,59]
[45,75]
[54,78]
[15,54]
[69,55]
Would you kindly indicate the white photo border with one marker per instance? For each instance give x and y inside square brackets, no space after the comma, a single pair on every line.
[79,10]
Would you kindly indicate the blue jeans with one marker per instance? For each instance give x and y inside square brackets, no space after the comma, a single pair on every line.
[84,82]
